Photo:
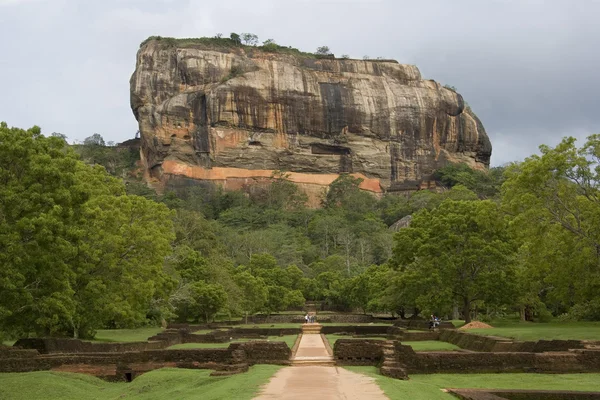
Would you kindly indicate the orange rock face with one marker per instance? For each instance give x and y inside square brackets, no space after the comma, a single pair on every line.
[234,116]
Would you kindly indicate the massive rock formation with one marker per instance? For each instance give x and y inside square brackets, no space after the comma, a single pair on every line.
[233,115]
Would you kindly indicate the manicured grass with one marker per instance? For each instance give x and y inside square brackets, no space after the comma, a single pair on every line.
[126,335]
[538,330]
[204,331]
[288,339]
[333,338]
[428,387]
[457,322]
[8,342]
[167,383]
[431,345]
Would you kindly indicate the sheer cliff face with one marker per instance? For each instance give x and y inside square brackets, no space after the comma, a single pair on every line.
[233,116]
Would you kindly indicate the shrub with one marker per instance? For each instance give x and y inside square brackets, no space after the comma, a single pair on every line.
[588,311]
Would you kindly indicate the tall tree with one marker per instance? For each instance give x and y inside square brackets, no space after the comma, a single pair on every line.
[77,253]
[555,198]
[458,252]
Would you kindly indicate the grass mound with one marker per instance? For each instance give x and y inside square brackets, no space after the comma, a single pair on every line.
[429,387]
[166,383]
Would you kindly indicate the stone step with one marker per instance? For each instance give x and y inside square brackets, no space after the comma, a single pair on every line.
[233,367]
[312,363]
[306,358]
[396,373]
[392,364]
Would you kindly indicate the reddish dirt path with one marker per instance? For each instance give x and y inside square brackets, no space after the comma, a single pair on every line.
[319,382]
[322,383]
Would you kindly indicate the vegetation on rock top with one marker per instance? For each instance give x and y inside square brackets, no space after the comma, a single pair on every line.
[247,41]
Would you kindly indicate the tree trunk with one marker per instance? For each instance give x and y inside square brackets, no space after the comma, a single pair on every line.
[522,314]
[467,310]
[455,314]
[246,317]
[402,313]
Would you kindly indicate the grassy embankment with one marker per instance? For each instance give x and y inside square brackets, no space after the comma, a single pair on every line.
[540,330]
[161,384]
[429,387]
[126,335]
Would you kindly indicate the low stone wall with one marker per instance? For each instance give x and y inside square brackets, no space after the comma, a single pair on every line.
[370,352]
[251,332]
[49,362]
[474,342]
[357,352]
[403,335]
[13,352]
[462,362]
[263,352]
[421,324]
[126,365]
[73,346]
[505,394]
[176,336]
[381,330]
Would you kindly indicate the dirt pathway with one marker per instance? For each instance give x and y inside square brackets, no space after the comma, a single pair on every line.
[310,382]
[311,347]
[320,383]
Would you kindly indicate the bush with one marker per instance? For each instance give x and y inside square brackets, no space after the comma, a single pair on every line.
[588,311]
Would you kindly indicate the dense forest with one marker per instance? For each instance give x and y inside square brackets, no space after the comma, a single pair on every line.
[85,244]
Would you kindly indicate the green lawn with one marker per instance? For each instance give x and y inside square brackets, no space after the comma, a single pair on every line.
[205,331]
[288,339]
[431,345]
[126,335]
[538,330]
[180,384]
[428,387]
[8,342]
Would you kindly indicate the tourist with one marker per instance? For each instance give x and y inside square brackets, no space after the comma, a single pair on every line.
[306,319]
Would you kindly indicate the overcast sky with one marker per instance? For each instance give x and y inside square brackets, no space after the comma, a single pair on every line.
[528,68]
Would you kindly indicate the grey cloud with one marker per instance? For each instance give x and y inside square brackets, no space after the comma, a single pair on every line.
[527,68]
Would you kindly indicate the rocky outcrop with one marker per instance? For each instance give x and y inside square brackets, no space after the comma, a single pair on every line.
[234,115]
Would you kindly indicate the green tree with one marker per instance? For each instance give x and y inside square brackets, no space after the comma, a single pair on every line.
[323,51]
[486,184]
[95,140]
[209,299]
[250,39]
[119,265]
[275,299]
[235,38]
[458,252]
[294,299]
[253,290]
[77,253]
[555,199]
